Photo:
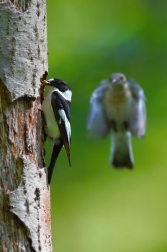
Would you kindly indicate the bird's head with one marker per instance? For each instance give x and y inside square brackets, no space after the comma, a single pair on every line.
[57,83]
[118,79]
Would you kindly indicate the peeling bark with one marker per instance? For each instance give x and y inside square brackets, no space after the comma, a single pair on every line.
[24,196]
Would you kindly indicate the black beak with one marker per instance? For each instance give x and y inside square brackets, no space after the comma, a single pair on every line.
[45,82]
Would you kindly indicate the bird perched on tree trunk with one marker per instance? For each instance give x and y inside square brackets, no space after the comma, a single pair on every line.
[56,114]
[117,106]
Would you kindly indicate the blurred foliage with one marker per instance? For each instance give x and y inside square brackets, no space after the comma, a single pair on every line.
[94,207]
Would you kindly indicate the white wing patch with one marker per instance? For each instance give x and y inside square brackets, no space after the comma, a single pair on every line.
[67,123]
[67,95]
[50,80]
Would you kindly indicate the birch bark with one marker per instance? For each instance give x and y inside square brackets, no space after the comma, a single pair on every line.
[24,196]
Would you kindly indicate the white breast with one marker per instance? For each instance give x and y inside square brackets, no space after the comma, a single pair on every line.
[51,129]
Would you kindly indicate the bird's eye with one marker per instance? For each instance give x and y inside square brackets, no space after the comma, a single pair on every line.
[122,78]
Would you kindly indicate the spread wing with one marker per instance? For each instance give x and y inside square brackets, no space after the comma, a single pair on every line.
[61,109]
[138,110]
[97,121]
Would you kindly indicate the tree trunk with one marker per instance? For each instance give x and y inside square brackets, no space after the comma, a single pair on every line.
[24,196]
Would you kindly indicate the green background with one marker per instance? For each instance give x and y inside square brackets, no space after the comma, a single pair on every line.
[94,207]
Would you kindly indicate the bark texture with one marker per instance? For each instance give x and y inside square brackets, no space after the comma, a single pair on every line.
[24,195]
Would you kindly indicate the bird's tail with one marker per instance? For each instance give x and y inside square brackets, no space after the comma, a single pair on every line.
[121,150]
[55,152]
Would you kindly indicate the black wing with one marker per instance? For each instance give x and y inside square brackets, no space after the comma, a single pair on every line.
[55,152]
[61,109]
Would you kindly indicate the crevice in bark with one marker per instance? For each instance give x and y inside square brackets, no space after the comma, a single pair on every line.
[20,118]
[9,227]
[21,5]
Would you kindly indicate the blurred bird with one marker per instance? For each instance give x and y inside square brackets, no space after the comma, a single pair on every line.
[56,113]
[117,106]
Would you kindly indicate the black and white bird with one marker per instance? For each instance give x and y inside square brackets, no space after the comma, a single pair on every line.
[56,112]
[117,106]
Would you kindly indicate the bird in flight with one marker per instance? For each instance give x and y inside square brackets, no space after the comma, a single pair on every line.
[117,106]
